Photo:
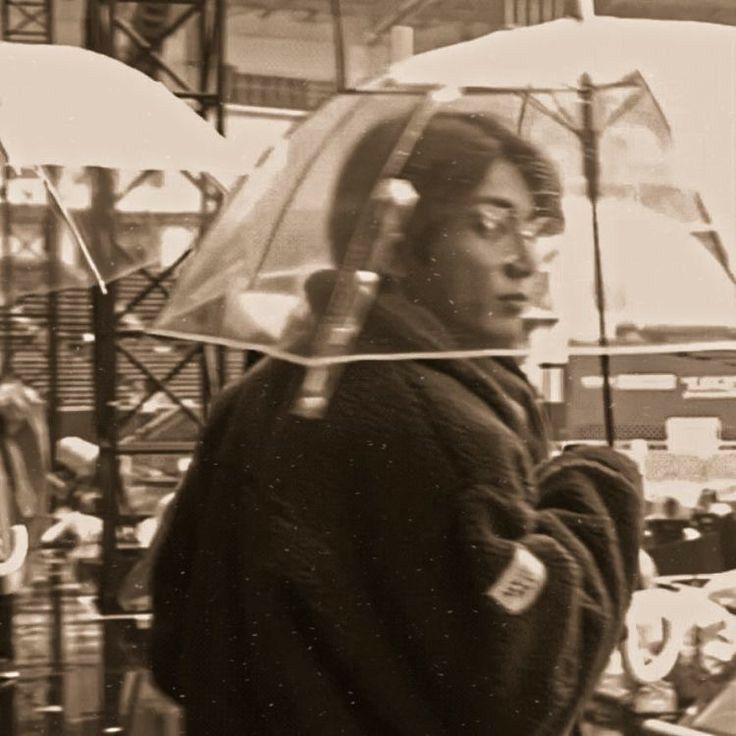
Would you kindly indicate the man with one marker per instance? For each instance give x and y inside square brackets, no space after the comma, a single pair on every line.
[412,563]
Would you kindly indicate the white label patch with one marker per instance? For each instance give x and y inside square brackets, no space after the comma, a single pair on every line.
[520,583]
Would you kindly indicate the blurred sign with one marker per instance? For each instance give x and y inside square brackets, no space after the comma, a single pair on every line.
[635,382]
[694,387]
[709,387]
[647,391]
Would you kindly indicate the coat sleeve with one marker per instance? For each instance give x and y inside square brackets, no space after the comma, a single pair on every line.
[504,589]
[513,583]
[177,544]
[553,582]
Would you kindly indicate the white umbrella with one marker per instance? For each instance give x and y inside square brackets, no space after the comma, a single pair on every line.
[637,243]
[67,109]
[689,67]
[67,106]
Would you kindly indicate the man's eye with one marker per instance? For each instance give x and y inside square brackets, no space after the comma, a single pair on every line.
[485,225]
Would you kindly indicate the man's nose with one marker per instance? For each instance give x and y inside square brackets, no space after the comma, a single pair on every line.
[521,263]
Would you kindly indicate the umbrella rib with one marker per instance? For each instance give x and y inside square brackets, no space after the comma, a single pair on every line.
[69,219]
[631,101]
[522,112]
[559,117]
[295,189]
[716,249]
[637,80]
[155,282]
[561,111]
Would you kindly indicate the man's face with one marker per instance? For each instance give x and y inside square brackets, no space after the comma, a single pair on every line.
[477,274]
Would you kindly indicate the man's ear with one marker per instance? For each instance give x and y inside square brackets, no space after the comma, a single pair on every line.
[399,265]
[395,201]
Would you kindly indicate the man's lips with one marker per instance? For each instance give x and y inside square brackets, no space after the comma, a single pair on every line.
[513,303]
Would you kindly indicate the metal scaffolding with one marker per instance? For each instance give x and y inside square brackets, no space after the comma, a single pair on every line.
[137,33]
[28,21]
[30,235]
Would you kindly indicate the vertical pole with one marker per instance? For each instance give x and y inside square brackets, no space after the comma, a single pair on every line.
[7,279]
[220,51]
[586,9]
[55,716]
[591,169]
[105,374]
[5,6]
[204,52]
[114,672]
[402,43]
[7,708]
[110,45]
[51,241]
[50,21]
[338,39]
[211,42]
[509,13]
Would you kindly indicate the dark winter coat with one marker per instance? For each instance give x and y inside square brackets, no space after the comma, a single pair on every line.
[365,573]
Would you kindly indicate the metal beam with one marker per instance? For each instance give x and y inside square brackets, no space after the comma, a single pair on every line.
[28,21]
[405,10]
[706,11]
[142,42]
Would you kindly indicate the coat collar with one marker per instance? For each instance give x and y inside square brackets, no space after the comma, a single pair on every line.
[497,381]
[397,325]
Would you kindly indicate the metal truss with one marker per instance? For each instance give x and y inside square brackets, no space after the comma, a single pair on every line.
[531,12]
[29,236]
[139,38]
[137,33]
[28,21]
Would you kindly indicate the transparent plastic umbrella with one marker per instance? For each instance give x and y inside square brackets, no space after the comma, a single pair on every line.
[251,283]
[246,284]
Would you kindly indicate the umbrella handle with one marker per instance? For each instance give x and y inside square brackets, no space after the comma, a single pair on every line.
[368,255]
[320,381]
[354,293]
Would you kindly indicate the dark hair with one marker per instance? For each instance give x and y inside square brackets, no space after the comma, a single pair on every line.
[449,160]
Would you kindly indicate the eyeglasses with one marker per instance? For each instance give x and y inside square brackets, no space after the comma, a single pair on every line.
[497,221]
[494,222]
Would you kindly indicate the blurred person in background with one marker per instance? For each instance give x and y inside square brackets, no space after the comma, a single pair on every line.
[414,562]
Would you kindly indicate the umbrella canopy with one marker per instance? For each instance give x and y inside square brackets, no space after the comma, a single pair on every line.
[67,106]
[72,123]
[246,285]
[690,301]
[689,67]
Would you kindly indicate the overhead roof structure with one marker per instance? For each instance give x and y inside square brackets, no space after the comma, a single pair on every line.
[705,11]
[418,13]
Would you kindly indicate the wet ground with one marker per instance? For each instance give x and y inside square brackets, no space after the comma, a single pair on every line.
[78,673]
